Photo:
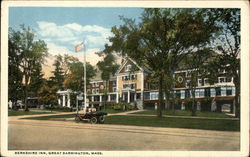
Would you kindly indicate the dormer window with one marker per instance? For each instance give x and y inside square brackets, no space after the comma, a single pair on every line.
[127,68]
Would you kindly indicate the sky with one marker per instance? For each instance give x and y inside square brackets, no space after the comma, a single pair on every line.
[62,28]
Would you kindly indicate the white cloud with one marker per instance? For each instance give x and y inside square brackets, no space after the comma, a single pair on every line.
[73,33]
[62,40]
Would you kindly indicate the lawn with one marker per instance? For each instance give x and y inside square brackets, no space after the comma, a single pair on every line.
[52,117]
[21,112]
[186,113]
[206,124]
[111,111]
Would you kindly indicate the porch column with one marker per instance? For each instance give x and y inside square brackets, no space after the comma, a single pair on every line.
[117,97]
[198,106]
[109,97]
[92,98]
[59,101]
[213,106]
[128,96]
[63,100]
[100,98]
[123,96]
[68,98]
[182,106]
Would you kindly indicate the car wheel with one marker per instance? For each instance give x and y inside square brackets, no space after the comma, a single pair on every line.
[93,120]
[77,119]
[101,119]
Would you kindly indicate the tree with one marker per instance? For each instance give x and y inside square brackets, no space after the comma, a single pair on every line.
[229,47]
[160,38]
[58,73]
[14,72]
[108,67]
[36,80]
[47,95]
[74,80]
[195,62]
[30,52]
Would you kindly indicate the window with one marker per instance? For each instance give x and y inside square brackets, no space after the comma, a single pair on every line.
[207,92]
[221,79]
[199,82]
[138,95]
[114,89]
[88,91]
[182,94]
[112,97]
[229,91]
[212,92]
[187,83]
[127,68]
[229,79]
[114,83]
[187,93]
[177,93]
[218,91]
[188,74]
[201,92]
[223,91]
[133,86]
[153,95]
[206,83]
[125,86]
[221,70]
[93,91]
[132,77]
[147,96]
[125,78]
[233,90]
[97,90]
[96,98]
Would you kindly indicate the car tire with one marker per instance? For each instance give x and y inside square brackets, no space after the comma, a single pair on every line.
[77,119]
[101,119]
[93,120]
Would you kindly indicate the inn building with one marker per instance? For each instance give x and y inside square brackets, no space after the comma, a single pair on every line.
[130,84]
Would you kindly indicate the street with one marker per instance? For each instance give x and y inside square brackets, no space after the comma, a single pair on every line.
[68,135]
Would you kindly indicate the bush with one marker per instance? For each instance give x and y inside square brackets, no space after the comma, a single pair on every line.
[123,106]
[59,108]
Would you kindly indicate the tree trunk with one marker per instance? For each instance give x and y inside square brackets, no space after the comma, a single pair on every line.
[193,103]
[106,91]
[237,94]
[161,103]
[26,93]
[237,101]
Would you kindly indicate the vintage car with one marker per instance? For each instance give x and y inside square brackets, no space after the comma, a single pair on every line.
[92,117]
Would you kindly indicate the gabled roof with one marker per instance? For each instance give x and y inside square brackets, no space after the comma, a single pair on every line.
[125,63]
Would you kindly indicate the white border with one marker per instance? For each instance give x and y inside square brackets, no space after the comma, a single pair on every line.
[244,5]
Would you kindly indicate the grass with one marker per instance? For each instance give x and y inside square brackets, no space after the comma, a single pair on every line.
[206,124]
[111,111]
[51,117]
[186,113]
[21,112]
[153,121]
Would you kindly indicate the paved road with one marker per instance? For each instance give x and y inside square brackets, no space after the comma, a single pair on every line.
[68,135]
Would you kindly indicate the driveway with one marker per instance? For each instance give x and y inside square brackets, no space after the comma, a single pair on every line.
[68,135]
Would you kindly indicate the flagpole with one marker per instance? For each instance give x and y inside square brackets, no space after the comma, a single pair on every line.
[85,93]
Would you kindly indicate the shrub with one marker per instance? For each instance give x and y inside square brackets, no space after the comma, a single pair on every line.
[59,108]
[117,106]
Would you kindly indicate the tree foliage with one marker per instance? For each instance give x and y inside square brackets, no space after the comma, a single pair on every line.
[228,45]
[29,53]
[74,79]
[108,67]
[160,38]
